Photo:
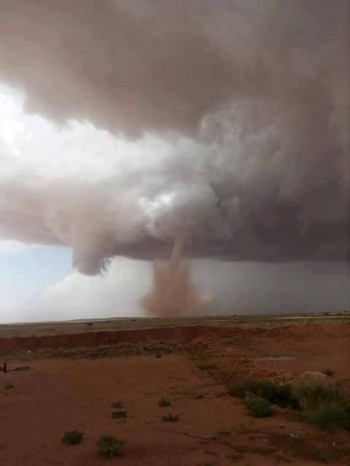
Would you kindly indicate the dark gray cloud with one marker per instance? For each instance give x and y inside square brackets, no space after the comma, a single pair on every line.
[258,90]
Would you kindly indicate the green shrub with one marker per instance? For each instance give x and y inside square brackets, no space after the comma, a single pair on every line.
[73,437]
[122,414]
[320,402]
[328,417]
[312,394]
[259,407]
[324,405]
[280,395]
[170,417]
[164,403]
[110,447]
[328,372]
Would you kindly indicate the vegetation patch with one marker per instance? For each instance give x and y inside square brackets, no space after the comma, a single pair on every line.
[329,417]
[320,403]
[110,447]
[328,372]
[280,395]
[164,403]
[324,405]
[259,407]
[72,437]
[210,367]
[171,417]
[313,393]
[121,414]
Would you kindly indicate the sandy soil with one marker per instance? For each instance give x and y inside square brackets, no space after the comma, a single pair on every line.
[56,394]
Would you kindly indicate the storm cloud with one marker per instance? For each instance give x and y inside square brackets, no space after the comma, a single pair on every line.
[139,120]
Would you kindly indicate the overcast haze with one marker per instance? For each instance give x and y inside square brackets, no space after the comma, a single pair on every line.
[125,123]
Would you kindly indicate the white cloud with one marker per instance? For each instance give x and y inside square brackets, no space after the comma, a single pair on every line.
[116,294]
[11,248]
[77,296]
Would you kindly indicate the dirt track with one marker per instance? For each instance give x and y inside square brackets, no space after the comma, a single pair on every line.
[55,395]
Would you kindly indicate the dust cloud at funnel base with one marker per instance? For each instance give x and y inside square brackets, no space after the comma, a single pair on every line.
[173,292]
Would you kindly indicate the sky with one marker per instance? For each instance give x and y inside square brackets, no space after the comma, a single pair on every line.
[39,284]
[125,125]
[24,272]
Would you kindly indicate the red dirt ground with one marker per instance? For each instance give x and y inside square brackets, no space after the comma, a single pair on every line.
[55,395]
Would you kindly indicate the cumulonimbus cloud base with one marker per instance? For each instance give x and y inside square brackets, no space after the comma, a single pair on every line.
[125,123]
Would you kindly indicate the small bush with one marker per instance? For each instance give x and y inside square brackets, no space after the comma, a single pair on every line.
[208,367]
[110,447]
[164,403]
[259,407]
[73,437]
[170,417]
[117,404]
[312,394]
[122,414]
[328,372]
[280,395]
[328,417]
[9,386]
[324,405]
[346,419]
